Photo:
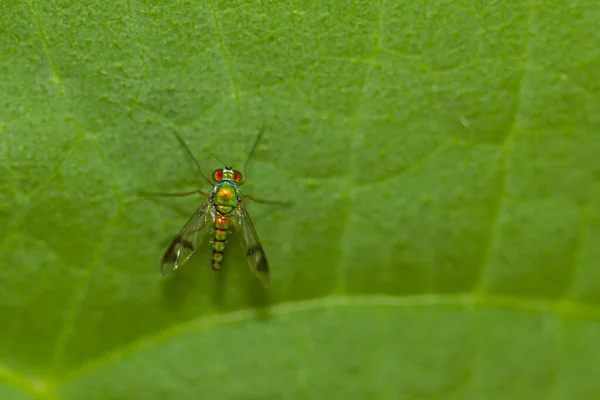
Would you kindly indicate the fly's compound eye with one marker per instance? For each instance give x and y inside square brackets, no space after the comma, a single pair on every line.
[237,176]
[217,175]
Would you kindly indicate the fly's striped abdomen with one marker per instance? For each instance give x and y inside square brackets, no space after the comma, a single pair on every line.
[221,229]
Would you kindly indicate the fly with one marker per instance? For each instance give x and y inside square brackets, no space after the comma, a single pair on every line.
[223,209]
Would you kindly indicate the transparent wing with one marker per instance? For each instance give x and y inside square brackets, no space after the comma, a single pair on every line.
[251,244]
[188,239]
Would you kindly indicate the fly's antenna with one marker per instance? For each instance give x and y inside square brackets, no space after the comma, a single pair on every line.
[253,149]
[213,155]
[188,151]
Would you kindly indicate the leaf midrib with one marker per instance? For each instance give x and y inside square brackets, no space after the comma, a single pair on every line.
[48,388]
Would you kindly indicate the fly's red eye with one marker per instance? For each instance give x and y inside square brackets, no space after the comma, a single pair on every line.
[236,176]
[218,175]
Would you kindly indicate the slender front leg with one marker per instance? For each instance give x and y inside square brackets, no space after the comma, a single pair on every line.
[272,202]
[163,194]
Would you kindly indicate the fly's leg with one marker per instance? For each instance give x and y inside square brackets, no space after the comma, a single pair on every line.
[163,194]
[271,202]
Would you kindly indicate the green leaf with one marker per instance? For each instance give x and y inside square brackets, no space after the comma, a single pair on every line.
[442,158]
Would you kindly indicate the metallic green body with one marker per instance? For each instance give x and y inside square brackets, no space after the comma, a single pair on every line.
[225,198]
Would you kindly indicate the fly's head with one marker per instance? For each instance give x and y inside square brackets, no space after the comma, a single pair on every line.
[227,174]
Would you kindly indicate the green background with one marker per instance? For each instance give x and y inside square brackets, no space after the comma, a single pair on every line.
[444,163]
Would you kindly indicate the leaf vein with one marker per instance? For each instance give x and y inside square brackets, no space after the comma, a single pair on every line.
[508,146]
[468,301]
[80,289]
[223,49]
[350,181]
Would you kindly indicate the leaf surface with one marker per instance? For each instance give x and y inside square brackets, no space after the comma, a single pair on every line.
[443,163]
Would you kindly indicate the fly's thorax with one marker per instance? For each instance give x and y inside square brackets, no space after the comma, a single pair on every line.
[225,197]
